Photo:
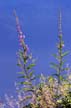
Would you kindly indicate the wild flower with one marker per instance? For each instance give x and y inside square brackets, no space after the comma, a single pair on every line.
[52,91]
[26,64]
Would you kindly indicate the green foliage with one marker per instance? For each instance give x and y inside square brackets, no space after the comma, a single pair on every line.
[49,92]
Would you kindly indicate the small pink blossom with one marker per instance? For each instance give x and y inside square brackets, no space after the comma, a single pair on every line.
[20,36]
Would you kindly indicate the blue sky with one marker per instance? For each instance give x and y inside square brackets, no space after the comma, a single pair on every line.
[38,19]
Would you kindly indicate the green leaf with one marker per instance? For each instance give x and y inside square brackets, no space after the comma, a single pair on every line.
[53,65]
[31,74]
[21,73]
[22,76]
[56,56]
[21,54]
[56,65]
[26,83]
[28,89]
[30,66]
[33,78]
[65,53]
[55,75]
[28,97]
[20,82]
[18,64]
[65,69]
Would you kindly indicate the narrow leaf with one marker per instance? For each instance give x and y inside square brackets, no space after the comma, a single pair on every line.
[33,78]
[65,53]
[27,83]
[22,76]
[18,64]
[28,89]
[31,73]
[56,56]
[30,66]
[55,74]
[21,73]
[53,65]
